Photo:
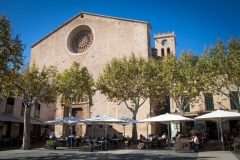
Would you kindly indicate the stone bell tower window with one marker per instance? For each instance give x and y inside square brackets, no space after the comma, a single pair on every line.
[162,52]
[168,51]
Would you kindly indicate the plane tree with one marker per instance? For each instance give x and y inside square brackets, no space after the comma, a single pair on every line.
[33,86]
[130,80]
[181,79]
[75,85]
[220,70]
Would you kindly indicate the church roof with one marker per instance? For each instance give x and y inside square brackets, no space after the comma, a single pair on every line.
[88,14]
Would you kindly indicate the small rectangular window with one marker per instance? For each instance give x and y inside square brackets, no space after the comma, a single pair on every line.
[209,101]
[10,105]
[37,110]
[184,101]
[234,95]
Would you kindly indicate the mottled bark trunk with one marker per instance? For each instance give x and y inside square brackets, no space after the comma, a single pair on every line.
[26,130]
[134,129]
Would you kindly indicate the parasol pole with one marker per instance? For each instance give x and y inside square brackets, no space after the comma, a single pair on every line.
[106,136]
[168,136]
[220,124]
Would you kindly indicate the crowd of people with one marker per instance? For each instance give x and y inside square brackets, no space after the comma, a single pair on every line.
[196,137]
[146,142]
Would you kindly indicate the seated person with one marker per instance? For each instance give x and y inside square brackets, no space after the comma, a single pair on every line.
[205,135]
[179,135]
[142,138]
[199,132]
[195,143]
[154,136]
[225,135]
[52,134]
[149,137]
[199,136]
[164,135]
[142,145]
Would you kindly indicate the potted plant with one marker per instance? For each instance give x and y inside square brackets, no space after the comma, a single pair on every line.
[235,145]
[182,145]
[50,144]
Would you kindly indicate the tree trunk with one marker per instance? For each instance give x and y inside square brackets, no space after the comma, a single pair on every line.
[181,112]
[134,129]
[26,131]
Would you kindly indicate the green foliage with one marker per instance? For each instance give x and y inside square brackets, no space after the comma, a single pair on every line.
[235,145]
[39,85]
[181,79]
[182,145]
[75,82]
[131,81]
[128,79]
[86,146]
[11,56]
[220,69]
[34,86]
[51,142]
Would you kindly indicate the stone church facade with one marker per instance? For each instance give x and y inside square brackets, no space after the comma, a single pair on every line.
[93,40]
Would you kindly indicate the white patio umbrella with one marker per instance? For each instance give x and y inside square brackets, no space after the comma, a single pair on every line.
[103,120]
[167,119]
[219,116]
[66,120]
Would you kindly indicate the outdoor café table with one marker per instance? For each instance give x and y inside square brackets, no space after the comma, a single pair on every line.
[101,143]
[5,142]
[162,141]
[64,141]
[147,142]
[115,140]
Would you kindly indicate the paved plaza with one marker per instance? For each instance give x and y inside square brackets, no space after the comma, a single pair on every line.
[131,153]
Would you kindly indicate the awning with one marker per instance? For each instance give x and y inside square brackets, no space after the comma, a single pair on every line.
[6,117]
[21,119]
[40,120]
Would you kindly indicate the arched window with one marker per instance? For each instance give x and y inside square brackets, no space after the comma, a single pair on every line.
[162,52]
[168,51]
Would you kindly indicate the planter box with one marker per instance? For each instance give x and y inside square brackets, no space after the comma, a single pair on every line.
[182,140]
[236,149]
[49,147]
[86,149]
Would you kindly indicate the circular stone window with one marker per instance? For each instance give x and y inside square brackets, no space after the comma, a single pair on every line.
[80,39]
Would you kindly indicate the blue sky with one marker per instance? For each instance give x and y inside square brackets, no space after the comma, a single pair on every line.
[196,23]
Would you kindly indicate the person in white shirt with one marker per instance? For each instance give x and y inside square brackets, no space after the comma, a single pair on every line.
[195,143]
[52,134]
[164,135]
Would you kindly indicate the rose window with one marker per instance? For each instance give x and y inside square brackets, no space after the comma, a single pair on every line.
[82,41]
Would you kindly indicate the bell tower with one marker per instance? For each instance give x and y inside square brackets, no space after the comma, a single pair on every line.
[165,43]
